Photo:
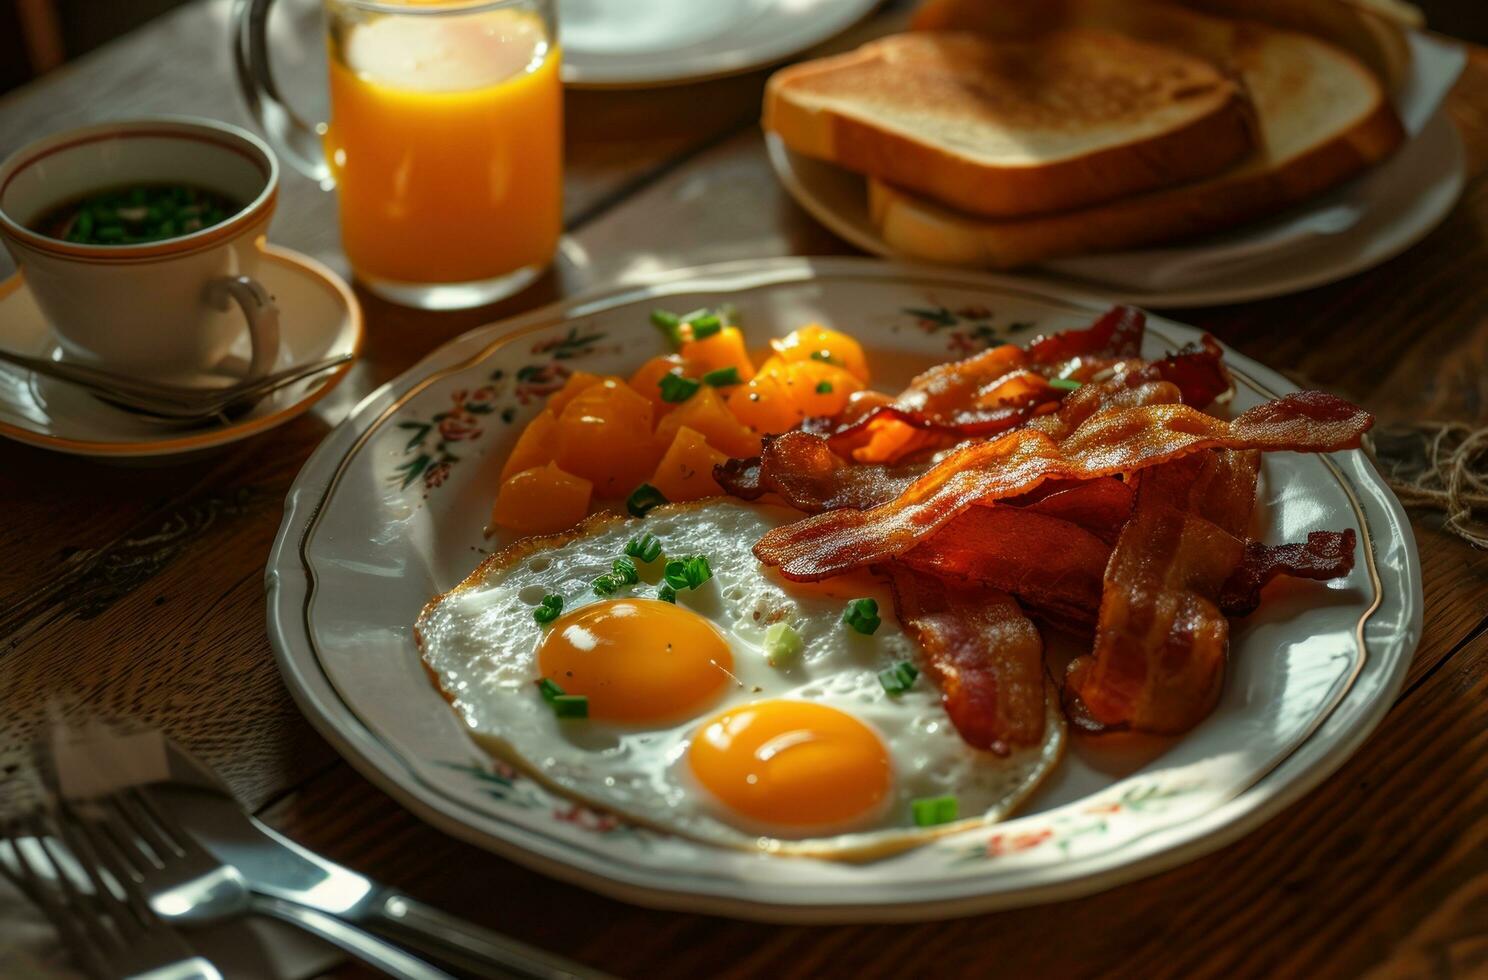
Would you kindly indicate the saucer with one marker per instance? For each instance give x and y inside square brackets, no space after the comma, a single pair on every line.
[319,317]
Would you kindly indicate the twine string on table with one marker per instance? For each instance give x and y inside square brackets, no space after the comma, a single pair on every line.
[1447,470]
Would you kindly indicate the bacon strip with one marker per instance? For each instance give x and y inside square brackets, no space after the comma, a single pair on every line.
[1102,396]
[1063,579]
[987,394]
[1099,506]
[1326,555]
[1045,561]
[1118,333]
[1197,370]
[1108,443]
[981,650]
[810,477]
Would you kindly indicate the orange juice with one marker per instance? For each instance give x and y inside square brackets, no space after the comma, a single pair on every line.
[446,144]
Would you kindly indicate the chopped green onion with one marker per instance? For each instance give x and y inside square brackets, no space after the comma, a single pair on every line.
[722,377]
[705,326]
[642,499]
[647,548]
[782,644]
[606,585]
[666,594]
[1068,384]
[549,690]
[933,810]
[575,706]
[625,571]
[862,615]
[669,324]
[825,356]
[675,388]
[687,573]
[898,678]
[548,609]
[824,387]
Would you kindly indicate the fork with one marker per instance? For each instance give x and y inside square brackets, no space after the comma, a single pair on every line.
[172,402]
[108,933]
[186,885]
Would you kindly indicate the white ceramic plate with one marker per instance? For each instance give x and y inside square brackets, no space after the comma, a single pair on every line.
[389,511]
[1406,197]
[640,43]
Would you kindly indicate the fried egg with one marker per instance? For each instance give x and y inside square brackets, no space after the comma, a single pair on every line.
[690,729]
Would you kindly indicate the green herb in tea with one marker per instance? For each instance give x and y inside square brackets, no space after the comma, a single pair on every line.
[131,215]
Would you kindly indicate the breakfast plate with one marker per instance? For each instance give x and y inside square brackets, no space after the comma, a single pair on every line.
[1407,197]
[390,511]
[669,42]
[319,317]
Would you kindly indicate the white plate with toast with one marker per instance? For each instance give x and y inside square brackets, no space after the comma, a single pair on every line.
[390,510]
[1409,196]
[1171,152]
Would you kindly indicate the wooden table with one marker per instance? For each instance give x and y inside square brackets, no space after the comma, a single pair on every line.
[139,592]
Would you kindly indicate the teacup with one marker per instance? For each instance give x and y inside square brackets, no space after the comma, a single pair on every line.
[157,309]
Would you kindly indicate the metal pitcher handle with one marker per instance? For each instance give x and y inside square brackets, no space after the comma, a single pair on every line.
[292,137]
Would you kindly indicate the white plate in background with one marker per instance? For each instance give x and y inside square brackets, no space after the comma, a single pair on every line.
[641,43]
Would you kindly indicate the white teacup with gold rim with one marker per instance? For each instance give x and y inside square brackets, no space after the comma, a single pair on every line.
[136,237]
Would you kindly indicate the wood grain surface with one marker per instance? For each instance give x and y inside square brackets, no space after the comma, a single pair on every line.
[138,591]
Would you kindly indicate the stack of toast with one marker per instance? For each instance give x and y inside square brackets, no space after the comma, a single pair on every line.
[1009,133]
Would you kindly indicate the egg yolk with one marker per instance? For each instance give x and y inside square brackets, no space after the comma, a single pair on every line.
[791,764]
[638,661]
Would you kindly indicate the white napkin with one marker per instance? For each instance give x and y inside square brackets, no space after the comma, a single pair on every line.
[96,759]
[1436,64]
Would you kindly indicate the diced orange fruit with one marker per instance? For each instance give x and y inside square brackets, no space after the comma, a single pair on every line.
[816,342]
[765,405]
[541,500]
[604,435]
[686,471]
[612,400]
[706,413]
[647,380]
[722,350]
[534,446]
[774,366]
[576,383]
[819,388]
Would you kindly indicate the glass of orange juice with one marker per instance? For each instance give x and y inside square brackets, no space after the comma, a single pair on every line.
[445,142]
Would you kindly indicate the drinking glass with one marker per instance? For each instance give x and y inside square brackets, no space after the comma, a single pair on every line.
[445,142]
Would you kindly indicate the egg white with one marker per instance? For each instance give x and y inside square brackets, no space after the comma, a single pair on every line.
[479,642]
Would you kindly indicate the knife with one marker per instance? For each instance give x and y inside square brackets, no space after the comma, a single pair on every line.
[276,867]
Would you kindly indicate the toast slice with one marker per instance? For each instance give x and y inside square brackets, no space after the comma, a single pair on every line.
[1011,128]
[1323,118]
[1374,31]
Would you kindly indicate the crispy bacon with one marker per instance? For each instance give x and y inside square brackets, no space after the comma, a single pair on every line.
[1326,555]
[1197,370]
[1161,639]
[1046,561]
[1099,506]
[1118,333]
[1218,485]
[981,650]
[1110,442]
[810,477]
[986,394]
[1102,396]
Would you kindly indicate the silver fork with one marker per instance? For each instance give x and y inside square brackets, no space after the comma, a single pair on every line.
[109,933]
[172,402]
[186,885]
